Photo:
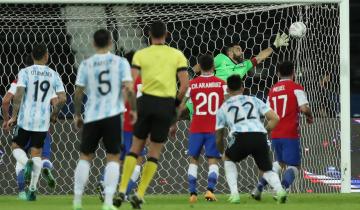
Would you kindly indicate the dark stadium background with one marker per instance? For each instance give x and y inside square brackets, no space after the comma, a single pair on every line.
[63,60]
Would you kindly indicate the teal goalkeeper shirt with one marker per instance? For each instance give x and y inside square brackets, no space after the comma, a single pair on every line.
[225,67]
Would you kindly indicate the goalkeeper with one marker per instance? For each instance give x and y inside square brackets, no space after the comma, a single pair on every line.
[232,62]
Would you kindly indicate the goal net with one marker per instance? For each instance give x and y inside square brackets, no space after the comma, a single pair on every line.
[67,29]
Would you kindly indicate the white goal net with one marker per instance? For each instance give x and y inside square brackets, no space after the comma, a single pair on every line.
[195,29]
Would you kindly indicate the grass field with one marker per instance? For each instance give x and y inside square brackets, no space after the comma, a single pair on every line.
[179,202]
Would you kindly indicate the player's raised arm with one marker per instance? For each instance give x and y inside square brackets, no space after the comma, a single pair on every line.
[280,41]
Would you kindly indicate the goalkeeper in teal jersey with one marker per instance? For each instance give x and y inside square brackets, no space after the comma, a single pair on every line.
[233,62]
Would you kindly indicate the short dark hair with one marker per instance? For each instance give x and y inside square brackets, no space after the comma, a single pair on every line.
[39,51]
[102,38]
[234,82]
[286,68]
[231,45]
[129,56]
[158,29]
[206,62]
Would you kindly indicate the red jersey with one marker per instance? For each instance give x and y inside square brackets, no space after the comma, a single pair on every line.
[207,95]
[127,119]
[284,98]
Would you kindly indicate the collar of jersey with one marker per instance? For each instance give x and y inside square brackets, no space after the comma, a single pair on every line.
[210,75]
[102,54]
[284,80]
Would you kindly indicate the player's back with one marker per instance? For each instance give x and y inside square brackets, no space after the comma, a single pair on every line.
[159,65]
[41,84]
[207,95]
[243,114]
[102,76]
[283,100]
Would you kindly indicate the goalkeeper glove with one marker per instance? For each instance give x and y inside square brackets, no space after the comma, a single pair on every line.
[281,40]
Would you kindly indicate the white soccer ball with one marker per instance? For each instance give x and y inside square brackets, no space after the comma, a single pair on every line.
[297,30]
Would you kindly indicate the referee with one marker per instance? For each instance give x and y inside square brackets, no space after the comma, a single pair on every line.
[159,66]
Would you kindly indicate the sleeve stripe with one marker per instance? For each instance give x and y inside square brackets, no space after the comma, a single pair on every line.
[254,61]
[135,67]
[182,69]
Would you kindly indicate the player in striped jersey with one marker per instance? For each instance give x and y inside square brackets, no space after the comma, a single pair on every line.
[46,150]
[36,86]
[242,114]
[104,76]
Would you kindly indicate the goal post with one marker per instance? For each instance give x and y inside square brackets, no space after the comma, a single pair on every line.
[166,182]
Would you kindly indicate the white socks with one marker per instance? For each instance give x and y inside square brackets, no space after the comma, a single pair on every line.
[214,168]
[276,167]
[273,179]
[231,174]
[81,177]
[35,172]
[20,156]
[111,179]
[18,168]
[193,169]
[136,173]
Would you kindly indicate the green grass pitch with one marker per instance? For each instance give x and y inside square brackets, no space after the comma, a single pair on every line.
[180,202]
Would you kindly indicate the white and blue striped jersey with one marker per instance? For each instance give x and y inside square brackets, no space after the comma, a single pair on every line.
[41,84]
[103,75]
[242,114]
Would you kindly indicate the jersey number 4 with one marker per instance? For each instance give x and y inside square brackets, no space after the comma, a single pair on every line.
[248,116]
[209,100]
[284,101]
[44,86]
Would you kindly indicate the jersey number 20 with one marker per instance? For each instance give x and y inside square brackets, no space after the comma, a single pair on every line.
[209,100]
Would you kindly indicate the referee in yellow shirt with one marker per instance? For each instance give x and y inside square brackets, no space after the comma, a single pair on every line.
[159,65]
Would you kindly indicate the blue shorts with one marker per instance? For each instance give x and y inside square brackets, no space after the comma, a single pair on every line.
[46,149]
[287,151]
[127,142]
[199,140]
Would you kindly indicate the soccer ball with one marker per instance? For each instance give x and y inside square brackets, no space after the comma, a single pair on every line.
[297,30]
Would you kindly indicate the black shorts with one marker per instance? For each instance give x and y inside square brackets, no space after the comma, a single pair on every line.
[109,129]
[253,144]
[22,138]
[155,115]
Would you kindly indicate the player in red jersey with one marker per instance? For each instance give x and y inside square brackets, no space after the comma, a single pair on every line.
[207,94]
[288,99]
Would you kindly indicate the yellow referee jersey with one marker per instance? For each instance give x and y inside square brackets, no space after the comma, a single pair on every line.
[159,65]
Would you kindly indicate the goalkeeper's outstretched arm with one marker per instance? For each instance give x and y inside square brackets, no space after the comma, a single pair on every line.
[280,41]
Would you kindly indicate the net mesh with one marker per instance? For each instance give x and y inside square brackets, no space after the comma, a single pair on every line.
[195,29]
